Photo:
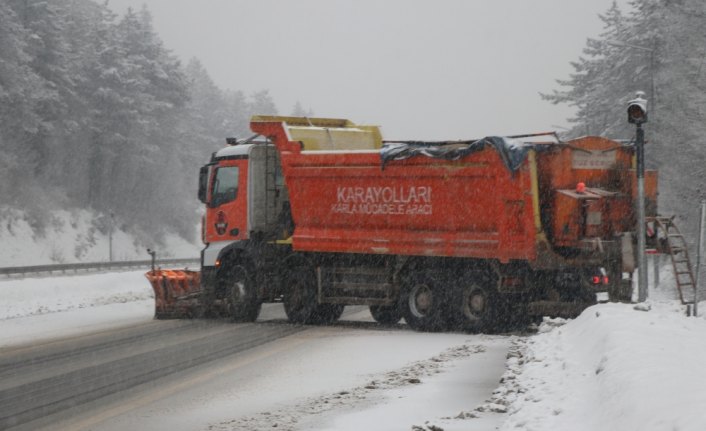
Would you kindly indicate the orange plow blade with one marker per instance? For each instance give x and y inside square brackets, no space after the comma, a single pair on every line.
[176,292]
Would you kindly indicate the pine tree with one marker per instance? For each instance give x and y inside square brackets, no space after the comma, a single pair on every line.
[676,31]
[601,70]
[88,32]
[19,97]
[96,112]
[208,117]
[261,103]
[152,93]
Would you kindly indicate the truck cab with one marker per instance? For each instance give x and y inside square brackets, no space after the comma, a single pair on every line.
[243,189]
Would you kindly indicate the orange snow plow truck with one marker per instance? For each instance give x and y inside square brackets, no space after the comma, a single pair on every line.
[321,213]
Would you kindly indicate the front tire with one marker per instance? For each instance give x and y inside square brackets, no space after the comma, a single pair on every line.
[325,314]
[242,302]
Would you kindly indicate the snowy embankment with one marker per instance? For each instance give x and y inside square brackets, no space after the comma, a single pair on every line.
[34,296]
[75,236]
[35,309]
[615,367]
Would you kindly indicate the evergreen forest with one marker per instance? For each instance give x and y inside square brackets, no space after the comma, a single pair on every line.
[96,113]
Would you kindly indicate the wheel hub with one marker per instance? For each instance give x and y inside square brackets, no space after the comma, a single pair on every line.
[420,301]
[477,303]
[474,304]
[238,291]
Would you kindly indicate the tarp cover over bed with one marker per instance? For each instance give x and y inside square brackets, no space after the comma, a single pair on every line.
[512,151]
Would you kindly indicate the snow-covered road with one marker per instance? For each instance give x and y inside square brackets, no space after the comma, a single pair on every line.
[347,376]
[324,378]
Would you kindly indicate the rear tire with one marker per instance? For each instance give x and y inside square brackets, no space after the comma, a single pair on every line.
[386,314]
[325,314]
[243,304]
[619,290]
[422,303]
[474,306]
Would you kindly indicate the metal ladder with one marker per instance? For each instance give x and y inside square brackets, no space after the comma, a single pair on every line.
[671,241]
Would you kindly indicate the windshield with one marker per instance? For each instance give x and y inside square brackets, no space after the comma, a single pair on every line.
[225,185]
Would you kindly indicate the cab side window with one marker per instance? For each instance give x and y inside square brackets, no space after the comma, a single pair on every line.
[225,185]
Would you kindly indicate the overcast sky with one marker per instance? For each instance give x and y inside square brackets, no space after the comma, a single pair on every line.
[445,69]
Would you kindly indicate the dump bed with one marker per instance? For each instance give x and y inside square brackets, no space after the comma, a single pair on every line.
[345,201]
[475,205]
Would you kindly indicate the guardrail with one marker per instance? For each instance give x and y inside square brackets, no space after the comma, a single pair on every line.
[92,266]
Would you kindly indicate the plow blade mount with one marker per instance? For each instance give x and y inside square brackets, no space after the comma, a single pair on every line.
[176,292]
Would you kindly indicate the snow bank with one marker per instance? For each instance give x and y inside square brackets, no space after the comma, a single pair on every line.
[36,309]
[72,236]
[614,367]
[32,296]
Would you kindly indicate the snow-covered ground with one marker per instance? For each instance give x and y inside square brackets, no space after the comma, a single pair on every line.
[35,309]
[616,367]
[73,236]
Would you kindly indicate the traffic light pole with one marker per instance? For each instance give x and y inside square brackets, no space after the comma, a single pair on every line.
[642,258]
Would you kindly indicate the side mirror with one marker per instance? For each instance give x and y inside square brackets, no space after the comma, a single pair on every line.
[203,184]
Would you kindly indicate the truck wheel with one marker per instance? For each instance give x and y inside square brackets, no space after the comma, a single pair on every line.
[241,295]
[386,314]
[620,291]
[300,301]
[584,292]
[325,314]
[422,304]
[473,307]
